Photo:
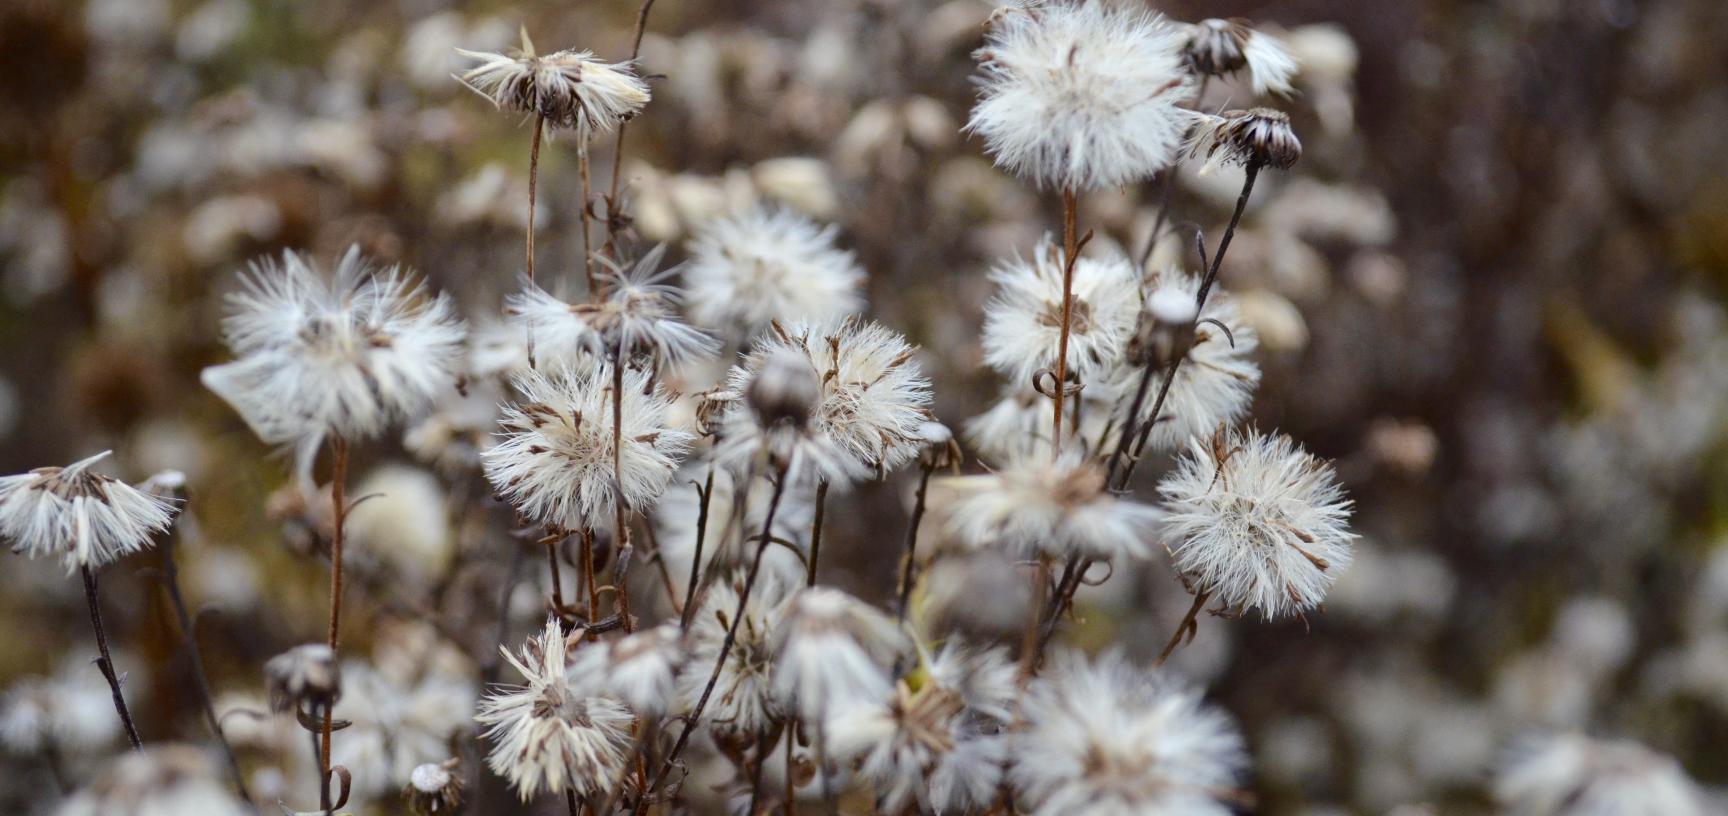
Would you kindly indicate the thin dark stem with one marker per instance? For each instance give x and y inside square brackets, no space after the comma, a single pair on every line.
[621,542]
[1070,244]
[1066,586]
[911,555]
[618,147]
[171,581]
[570,801]
[1145,431]
[695,717]
[588,577]
[1166,183]
[339,510]
[1188,623]
[1035,613]
[587,254]
[106,661]
[816,530]
[762,749]
[696,561]
[552,543]
[533,186]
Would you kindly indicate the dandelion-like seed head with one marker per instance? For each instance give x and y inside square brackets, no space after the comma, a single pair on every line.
[1107,738]
[345,355]
[1023,323]
[834,651]
[547,737]
[744,701]
[638,320]
[1216,382]
[1257,136]
[84,517]
[1081,95]
[571,89]
[1257,522]
[872,400]
[638,669]
[1038,503]
[765,265]
[1218,48]
[554,458]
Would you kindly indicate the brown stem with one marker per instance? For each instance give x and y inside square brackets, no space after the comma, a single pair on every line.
[1072,572]
[339,512]
[587,254]
[696,561]
[171,582]
[695,717]
[911,555]
[1035,613]
[533,186]
[816,530]
[588,577]
[552,543]
[106,661]
[1188,623]
[1070,242]
[570,802]
[618,146]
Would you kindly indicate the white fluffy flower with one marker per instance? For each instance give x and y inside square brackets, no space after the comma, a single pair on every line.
[1109,739]
[1257,522]
[160,780]
[1214,386]
[1081,95]
[743,702]
[938,740]
[638,669]
[1222,47]
[572,89]
[638,319]
[399,723]
[84,517]
[1037,503]
[764,265]
[870,404]
[833,651]
[546,737]
[554,460]
[342,356]
[1573,775]
[1023,323]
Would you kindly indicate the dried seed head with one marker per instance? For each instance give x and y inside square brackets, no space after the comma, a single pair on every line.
[307,674]
[1257,136]
[784,390]
[1217,47]
[434,788]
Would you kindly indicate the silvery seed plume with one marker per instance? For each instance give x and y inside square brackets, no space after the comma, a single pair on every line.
[834,651]
[1574,775]
[1257,522]
[1037,503]
[1110,739]
[638,319]
[84,517]
[547,738]
[1081,95]
[1260,136]
[764,265]
[401,720]
[345,354]
[744,702]
[70,711]
[553,460]
[573,90]
[638,669]
[1023,322]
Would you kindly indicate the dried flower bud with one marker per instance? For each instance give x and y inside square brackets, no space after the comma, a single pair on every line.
[303,674]
[1217,47]
[1257,136]
[785,389]
[434,789]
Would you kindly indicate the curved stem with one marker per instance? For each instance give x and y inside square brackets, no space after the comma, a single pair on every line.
[106,661]
[621,535]
[618,146]
[696,561]
[911,555]
[587,254]
[1187,625]
[533,187]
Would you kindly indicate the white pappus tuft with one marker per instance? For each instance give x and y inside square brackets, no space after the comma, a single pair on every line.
[834,651]
[547,737]
[554,457]
[638,669]
[572,89]
[1256,522]
[1037,503]
[1081,95]
[1109,739]
[637,320]
[345,355]
[158,780]
[84,517]
[769,264]
[1574,775]
[1023,323]
[744,702]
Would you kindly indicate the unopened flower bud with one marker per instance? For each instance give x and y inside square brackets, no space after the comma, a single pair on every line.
[303,674]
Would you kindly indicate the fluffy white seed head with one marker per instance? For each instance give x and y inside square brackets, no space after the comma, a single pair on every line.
[84,517]
[1107,738]
[1023,323]
[638,669]
[1257,522]
[834,651]
[160,780]
[872,401]
[344,355]
[70,711]
[1081,95]
[1037,503]
[744,701]
[554,457]
[1574,775]
[1257,136]
[547,737]
[571,89]
[768,264]
[1215,384]
[638,320]
[400,720]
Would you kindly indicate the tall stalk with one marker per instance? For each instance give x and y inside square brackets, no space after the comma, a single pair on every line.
[816,530]
[339,510]
[171,582]
[1070,247]
[106,661]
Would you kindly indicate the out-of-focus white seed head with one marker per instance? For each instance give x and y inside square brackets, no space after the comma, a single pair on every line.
[304,677]
[1023,322]
[765,265]
[1574,775]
